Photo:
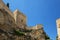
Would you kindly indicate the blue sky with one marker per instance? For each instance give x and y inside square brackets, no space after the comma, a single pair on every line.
[39,12]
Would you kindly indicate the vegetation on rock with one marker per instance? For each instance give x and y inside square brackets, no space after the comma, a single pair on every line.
[19,33]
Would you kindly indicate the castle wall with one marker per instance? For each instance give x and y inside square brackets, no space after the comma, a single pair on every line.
[3,6]
[9,20]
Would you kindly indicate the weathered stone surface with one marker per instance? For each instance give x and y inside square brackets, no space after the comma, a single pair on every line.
[13,26]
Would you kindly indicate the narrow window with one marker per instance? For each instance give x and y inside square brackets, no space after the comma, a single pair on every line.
[21,20]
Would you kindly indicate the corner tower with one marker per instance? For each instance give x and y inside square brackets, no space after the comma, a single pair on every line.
[20,18]
[58,28]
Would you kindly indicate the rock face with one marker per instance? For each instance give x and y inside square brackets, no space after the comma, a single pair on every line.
[13,26]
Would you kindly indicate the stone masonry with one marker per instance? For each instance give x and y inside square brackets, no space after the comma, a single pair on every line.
[13,26]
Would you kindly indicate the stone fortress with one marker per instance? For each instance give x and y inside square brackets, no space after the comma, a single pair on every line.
[13,26]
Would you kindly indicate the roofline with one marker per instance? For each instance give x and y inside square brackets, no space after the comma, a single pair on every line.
[19,12]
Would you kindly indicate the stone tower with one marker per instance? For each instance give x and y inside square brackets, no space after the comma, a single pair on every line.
[58,28]
[20,18]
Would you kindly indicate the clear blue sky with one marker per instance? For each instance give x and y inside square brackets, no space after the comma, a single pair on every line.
[39,12]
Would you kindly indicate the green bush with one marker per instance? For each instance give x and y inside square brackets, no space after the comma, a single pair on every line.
[19,33]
